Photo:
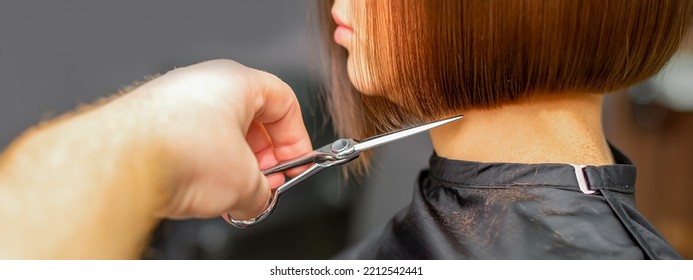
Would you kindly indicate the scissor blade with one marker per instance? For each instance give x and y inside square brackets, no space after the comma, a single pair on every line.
[383,139]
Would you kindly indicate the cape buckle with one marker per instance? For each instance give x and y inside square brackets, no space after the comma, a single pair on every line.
[582,179]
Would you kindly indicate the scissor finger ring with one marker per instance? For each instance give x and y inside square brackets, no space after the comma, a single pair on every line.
[274,196]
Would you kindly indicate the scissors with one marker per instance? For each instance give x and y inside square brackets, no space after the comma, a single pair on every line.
[337,153]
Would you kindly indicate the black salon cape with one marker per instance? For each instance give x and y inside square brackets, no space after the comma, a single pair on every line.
[472,210]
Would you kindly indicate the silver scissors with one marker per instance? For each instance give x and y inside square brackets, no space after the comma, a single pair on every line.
[337,153]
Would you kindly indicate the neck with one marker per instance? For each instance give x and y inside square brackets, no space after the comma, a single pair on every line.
[546,129]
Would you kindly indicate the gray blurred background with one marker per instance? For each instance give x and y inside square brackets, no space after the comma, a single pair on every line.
[55,55]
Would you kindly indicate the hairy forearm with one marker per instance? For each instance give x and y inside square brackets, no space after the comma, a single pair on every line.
[84,186]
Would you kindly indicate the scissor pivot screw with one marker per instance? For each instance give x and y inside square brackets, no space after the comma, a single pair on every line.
[339,145]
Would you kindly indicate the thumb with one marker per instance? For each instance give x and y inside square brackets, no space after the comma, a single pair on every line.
[253,199]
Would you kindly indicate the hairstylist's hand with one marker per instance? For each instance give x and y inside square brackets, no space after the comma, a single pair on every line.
[93,183]
[226,122]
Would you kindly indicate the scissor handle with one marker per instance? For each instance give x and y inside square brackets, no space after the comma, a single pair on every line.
[250,222]
[274,197]
[289,164]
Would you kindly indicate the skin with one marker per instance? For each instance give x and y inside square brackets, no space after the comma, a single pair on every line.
[191,143]
[547,128]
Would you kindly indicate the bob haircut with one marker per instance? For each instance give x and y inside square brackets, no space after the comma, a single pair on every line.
[437,58]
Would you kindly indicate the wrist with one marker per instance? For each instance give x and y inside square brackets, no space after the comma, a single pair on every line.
[142,148]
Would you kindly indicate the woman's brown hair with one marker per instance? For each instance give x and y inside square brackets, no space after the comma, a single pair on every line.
[437,58]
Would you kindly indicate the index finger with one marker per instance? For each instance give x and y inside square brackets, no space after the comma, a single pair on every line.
[277,108]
